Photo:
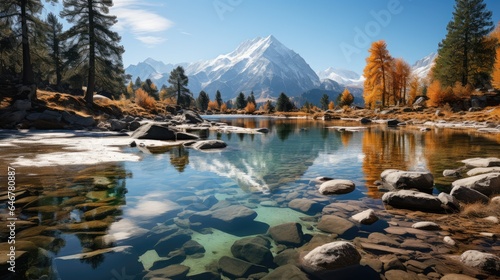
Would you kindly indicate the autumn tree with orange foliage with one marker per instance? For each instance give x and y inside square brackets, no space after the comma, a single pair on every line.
[331,105]
[495,76]
[346,99]
[400,75]
[415,89]
[213,105]
[378,65]
[250,108]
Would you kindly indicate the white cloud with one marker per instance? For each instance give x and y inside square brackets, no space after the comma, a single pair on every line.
[151,40]
[135,17]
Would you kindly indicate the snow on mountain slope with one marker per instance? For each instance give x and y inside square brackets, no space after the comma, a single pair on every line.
[422,67]
[342,76]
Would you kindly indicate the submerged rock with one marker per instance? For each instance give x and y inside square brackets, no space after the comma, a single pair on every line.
[398,179]
[254,250]
[289,234]
[288,271]
[335,224]
[175,271]
[307,206]
[236,268]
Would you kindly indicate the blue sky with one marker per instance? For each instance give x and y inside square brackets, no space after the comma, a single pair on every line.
[326,33]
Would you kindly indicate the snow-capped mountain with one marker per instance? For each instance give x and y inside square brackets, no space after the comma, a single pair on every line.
[422,67]
[151,69]
[262,65]
[341,76]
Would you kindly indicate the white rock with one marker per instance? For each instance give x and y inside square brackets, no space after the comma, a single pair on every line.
[491,219]
[448,240]
[484,261]
[331,256]
[337,186]
[482,162]
[426,226]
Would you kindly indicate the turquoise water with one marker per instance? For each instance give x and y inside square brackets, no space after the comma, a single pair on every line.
[261,171]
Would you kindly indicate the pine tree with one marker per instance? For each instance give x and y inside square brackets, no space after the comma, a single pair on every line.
[251,98]
[283,104]
[54,41]
[218,98]
[465,55]
[178,83]
[137,83]
[378,65]
[97,44]
[241,102]
[23,13]
[324,102]
[151,89]
[202,101]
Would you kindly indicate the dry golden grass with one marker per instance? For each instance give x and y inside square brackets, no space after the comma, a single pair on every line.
[143,99]
[480,210]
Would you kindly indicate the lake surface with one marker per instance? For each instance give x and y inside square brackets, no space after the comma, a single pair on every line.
[149,192]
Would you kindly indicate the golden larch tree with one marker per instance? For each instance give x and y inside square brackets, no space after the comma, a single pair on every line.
[400,76]
[346,99]
[495,79]
[378,65]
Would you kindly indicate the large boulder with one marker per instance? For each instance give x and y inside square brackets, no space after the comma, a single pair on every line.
[254,250]
[192,117]
[398,179]
[413,200]
[484,261]
[74,119]
[154,132]
[487,184]
[289,234]
[337,186]
[467,195]
[330,257]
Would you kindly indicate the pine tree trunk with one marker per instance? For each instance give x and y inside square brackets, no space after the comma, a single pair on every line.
[28,76]
[89,94]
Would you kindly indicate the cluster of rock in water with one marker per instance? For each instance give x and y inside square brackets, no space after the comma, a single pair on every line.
[333,240]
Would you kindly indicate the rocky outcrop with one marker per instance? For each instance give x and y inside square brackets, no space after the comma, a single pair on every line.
[398,179]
